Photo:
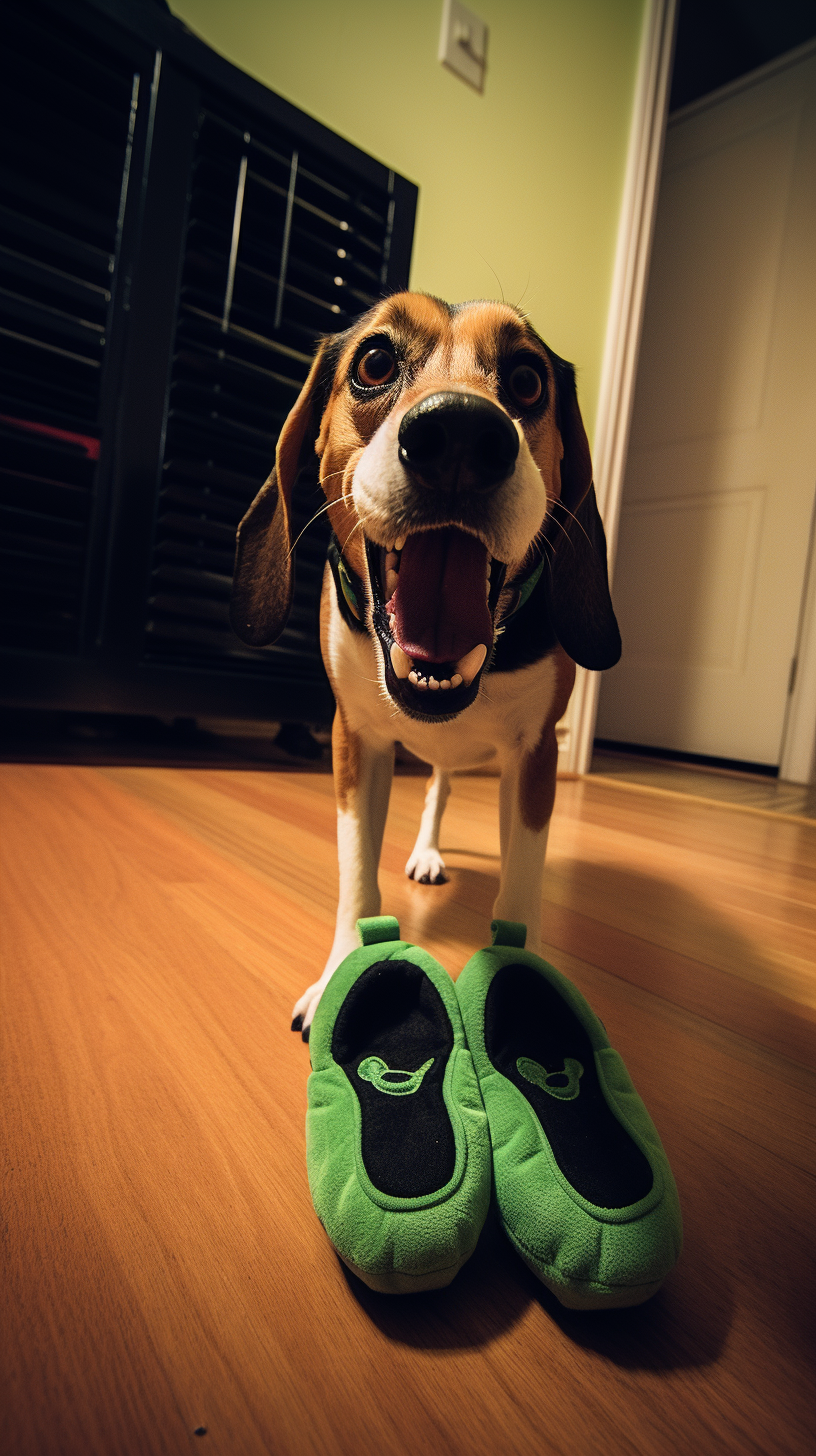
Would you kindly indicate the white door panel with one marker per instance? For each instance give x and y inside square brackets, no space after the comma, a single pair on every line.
[722,460]
[722,289]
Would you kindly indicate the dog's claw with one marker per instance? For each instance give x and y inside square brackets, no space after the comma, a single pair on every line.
[427,867]
[304,1009]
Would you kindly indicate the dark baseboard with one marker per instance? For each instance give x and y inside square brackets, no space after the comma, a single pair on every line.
[695,760]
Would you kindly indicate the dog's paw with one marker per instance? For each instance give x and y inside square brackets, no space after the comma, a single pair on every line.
[304,1009]
[427,866]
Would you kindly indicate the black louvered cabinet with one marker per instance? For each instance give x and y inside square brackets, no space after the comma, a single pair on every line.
[173,240]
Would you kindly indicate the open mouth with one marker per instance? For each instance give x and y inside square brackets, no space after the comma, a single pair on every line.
[435,595]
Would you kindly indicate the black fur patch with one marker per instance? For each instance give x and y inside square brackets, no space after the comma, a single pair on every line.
[530,634]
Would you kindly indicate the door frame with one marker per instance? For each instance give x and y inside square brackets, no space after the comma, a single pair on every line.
[797,762]
[624,324]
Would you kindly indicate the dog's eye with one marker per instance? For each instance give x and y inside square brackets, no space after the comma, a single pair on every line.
[525,385]
[378,366]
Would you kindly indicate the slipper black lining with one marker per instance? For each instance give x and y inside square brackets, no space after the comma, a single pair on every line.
[527,1021]
[392,1024]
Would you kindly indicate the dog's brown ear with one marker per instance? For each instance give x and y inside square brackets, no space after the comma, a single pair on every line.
[580,606]
[262,581]
[576,465]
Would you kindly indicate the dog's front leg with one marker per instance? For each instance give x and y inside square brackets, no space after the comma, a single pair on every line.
[426,863]
[526,797]
[363,769]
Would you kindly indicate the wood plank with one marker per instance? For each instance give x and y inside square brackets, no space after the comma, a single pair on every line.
[163,1266]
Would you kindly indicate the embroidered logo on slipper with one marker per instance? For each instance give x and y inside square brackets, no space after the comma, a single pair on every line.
[563,1085]
[376,1071]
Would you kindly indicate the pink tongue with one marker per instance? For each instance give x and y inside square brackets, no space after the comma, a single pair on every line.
[440,601]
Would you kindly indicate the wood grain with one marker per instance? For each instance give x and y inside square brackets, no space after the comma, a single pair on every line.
[164,1270]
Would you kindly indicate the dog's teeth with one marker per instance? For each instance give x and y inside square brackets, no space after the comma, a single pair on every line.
[469,665]
[399,543]
[400,663]
[412,677]
[391,583]
[389,546]
[421,683]
[432,683]
[392,621]
[456,680]
[445,683]
[392,560]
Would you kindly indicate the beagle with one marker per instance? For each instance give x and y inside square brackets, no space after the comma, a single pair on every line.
[466,577]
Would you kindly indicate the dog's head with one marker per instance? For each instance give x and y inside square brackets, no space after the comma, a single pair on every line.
[453,456]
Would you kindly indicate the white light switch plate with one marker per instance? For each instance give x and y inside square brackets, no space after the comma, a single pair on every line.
[463,43]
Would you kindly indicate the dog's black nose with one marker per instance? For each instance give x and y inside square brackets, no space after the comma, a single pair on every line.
[452,441]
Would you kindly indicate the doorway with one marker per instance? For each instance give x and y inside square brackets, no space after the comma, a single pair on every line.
[719,488]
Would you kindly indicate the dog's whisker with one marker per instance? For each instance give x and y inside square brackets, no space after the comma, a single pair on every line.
[563,528]
[568,512]
[495,274]
[540,540]
[317,513]
[517,306]
[551,516]
[525,312]
[349,536]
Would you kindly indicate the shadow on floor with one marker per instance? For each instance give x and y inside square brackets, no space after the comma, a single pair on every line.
[679,938]
[486,1298]
[684,1326]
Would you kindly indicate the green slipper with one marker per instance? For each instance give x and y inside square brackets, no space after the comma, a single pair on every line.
[397,1146]
[584,1188]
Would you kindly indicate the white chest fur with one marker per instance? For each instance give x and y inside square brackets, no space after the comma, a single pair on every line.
[506,717]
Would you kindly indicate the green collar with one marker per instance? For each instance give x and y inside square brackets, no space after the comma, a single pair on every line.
[523,594]
[528,588]
[349,589]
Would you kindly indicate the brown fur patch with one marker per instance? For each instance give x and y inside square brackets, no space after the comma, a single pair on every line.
[326,595]
[345,744]
[537,778]
[345,759]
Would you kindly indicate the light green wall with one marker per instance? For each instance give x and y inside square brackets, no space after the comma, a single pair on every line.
[524,180]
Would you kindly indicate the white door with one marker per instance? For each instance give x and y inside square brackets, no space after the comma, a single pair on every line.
[721,471]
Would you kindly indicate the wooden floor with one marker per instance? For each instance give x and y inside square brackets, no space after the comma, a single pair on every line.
[729,786]
[165,1270]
